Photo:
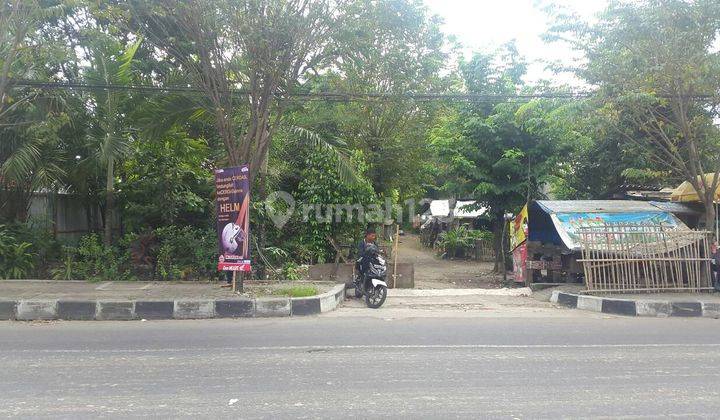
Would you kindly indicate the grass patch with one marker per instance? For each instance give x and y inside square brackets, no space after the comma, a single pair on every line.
[296,291]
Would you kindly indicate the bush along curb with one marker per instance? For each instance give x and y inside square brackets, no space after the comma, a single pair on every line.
[639,307]
[119,310]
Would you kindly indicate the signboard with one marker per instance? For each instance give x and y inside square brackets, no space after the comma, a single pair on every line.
[232,204]
[568,223]
[519,255]
[519,228]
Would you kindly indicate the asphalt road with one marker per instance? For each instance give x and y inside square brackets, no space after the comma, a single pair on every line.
[324,367]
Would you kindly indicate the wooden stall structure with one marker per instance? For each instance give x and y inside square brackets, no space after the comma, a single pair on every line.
[641,257]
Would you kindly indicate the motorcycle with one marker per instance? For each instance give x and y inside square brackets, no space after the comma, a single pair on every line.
[370,281]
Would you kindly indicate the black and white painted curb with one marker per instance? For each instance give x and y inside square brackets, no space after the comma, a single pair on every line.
[116,310]
[636,307]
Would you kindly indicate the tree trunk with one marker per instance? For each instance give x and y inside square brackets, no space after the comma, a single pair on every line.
[109,201]
[497,242]
[710,217]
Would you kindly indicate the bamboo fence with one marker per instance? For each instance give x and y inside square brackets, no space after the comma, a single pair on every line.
[628,257]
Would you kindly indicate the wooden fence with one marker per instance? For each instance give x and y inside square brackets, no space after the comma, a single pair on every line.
[626,257]
[484,250]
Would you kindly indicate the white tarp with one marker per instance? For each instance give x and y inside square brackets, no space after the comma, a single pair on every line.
[440,208]
[466,210]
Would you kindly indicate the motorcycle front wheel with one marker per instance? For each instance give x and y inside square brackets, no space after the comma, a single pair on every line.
[376,297]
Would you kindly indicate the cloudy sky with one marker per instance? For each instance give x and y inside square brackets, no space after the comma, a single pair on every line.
[485,24]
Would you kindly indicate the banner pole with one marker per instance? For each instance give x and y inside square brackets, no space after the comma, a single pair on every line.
[397,243]
[234,282]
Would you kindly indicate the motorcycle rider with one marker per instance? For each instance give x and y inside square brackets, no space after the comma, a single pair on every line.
[363,245]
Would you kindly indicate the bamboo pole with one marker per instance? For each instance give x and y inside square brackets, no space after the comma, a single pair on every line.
[395,253]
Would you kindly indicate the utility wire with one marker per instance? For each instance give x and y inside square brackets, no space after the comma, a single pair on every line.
[322,96]
[327,96]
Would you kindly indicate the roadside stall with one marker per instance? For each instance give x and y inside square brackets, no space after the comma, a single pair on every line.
[545,241]
[685,193]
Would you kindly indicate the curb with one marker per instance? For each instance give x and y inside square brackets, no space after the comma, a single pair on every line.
[639,307]
[124,310]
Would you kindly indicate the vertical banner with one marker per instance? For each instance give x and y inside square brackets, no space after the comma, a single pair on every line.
[232,205]
[520,262]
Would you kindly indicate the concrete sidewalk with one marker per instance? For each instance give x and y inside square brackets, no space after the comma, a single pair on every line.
[124,290]
[458,303]
[30,300]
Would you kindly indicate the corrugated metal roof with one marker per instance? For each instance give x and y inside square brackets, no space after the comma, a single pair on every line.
[596,206]
[677,208]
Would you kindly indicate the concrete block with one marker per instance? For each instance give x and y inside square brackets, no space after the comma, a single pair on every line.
[405,278]
[28,310]
[653,308]
[589,303]
[305,306]
[554,296]
[7,310]
[339,273]
[115,310]
[686,309]
[711,310]
[76,310]
[194,309]
[343,273]
[235,308]
[619,307]
[270,307]
[567,299]
[151,309]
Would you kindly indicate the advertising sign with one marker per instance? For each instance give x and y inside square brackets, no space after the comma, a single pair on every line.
[232,204]
[518,228]
[567,224]
[519,255]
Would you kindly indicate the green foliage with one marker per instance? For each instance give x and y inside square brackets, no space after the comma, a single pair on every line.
[290,271]
[98,262]
[297,291]
[67,270]
[457,242]
[16,257]
[186,253]
[166,184]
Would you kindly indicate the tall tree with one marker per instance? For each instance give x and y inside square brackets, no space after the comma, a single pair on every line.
[109,134]
[245,56]
[394,48]
[658,69]
[490,151]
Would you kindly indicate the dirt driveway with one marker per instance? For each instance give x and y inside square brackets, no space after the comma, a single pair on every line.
[432,272]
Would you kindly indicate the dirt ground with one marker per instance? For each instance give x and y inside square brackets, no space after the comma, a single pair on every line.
[432,272]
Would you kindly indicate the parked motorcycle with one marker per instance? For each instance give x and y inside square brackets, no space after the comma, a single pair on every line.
[370,281]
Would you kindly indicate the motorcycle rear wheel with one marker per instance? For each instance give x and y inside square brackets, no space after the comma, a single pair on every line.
[376,297]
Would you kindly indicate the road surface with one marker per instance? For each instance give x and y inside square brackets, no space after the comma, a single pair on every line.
[356,367]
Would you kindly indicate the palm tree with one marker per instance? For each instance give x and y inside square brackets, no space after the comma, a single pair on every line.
[108,135]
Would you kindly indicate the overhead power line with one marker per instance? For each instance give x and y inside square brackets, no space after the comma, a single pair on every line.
[329,96]
[321,96]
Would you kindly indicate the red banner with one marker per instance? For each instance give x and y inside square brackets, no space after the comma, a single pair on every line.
[232,205]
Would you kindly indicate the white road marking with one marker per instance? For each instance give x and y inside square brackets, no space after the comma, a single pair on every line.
[378,347]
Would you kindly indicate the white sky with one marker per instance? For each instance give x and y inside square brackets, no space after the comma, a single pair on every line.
[482,25]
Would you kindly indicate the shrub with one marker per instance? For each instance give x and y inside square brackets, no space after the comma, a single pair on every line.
[67,270]
[458,241]
[16,257]
[97,262]
[186,253]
